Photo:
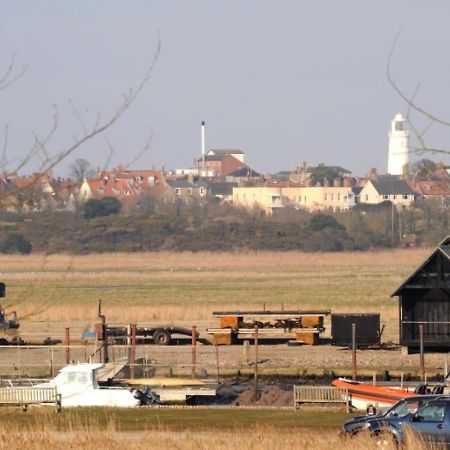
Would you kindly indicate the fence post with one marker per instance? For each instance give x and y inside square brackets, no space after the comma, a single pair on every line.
[133,350]
[256,363]
[67,339]
[353,351]
[194,350]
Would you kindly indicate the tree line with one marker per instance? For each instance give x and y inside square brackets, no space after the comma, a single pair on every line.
[102,226]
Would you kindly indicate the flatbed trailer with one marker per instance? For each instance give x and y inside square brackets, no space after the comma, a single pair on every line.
[159,335]
[303,325]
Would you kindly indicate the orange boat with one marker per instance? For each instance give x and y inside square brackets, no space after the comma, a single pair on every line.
[363,394]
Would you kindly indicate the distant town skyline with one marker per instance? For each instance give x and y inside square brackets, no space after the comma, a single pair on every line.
[284,82]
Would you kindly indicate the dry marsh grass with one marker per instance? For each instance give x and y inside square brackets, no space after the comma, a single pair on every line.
[74,434]
[189,286]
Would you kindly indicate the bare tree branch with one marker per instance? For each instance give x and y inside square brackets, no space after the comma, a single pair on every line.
[39,147]
[414,106]
[8,79]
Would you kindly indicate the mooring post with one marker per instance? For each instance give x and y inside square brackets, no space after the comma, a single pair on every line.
[67,339]
[256,363]
[194,350]
[353,351]
[422,356]
[133,349]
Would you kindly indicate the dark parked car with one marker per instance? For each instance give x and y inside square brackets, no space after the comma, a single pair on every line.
[431,421]
[400,409]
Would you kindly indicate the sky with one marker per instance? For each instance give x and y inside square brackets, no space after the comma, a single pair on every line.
[286,81]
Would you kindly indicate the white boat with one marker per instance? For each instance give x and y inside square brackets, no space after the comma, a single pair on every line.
[78,386]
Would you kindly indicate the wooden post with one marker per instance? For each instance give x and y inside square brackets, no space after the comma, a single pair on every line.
[133,350]
[129,344]
[67,339]
[374,378]
[246,352]
[194,350]
[256,363]
[422,356]
[353,351]
[217,362]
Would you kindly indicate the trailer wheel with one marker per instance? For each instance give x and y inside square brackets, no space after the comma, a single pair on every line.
[161,337]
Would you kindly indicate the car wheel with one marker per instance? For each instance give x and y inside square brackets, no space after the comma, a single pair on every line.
[385,440]
[161,337]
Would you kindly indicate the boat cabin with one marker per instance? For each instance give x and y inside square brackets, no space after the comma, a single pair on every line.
[424,299]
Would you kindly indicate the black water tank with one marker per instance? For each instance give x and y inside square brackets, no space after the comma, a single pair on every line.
[367,329]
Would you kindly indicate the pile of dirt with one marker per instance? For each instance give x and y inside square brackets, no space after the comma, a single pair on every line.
[267,396]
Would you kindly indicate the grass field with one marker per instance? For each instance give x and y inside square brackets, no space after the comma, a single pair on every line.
[180,429]
[170,286]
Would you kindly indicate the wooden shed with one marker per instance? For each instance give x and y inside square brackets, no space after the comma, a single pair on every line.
[424,298]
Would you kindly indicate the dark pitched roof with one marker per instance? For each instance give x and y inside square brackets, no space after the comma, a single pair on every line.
[356,190]
[224,152]
[339,169]
[183,183]
[443,248]
[222,188]
[202,183]
[244,172]
[282,175]
[212,157]
[390,185]
[180,183]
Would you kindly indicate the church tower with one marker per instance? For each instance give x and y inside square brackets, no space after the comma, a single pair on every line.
[398,158]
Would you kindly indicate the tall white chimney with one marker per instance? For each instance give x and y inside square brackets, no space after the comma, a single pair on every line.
[203,146]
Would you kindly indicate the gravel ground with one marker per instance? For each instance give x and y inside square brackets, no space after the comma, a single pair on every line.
[280,358]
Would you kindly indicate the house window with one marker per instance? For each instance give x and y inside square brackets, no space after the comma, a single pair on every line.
[405,197]
[201,191]
[394,197]
[385,197]
[189,191]
[338,197]
[178,191]
[331,197]
[325,197]
[367,197]
[305,199]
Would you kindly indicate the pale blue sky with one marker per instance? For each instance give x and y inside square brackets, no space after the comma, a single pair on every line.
[285,81]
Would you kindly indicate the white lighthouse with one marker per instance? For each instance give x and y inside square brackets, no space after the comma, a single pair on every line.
[398,147]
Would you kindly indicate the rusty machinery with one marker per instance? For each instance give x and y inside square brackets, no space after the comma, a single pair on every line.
[305,326]
[9,323]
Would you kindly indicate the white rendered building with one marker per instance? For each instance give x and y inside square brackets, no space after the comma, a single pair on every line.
[398,158]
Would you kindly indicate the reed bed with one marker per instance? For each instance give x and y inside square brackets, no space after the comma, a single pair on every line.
[189,286]
[74,434]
